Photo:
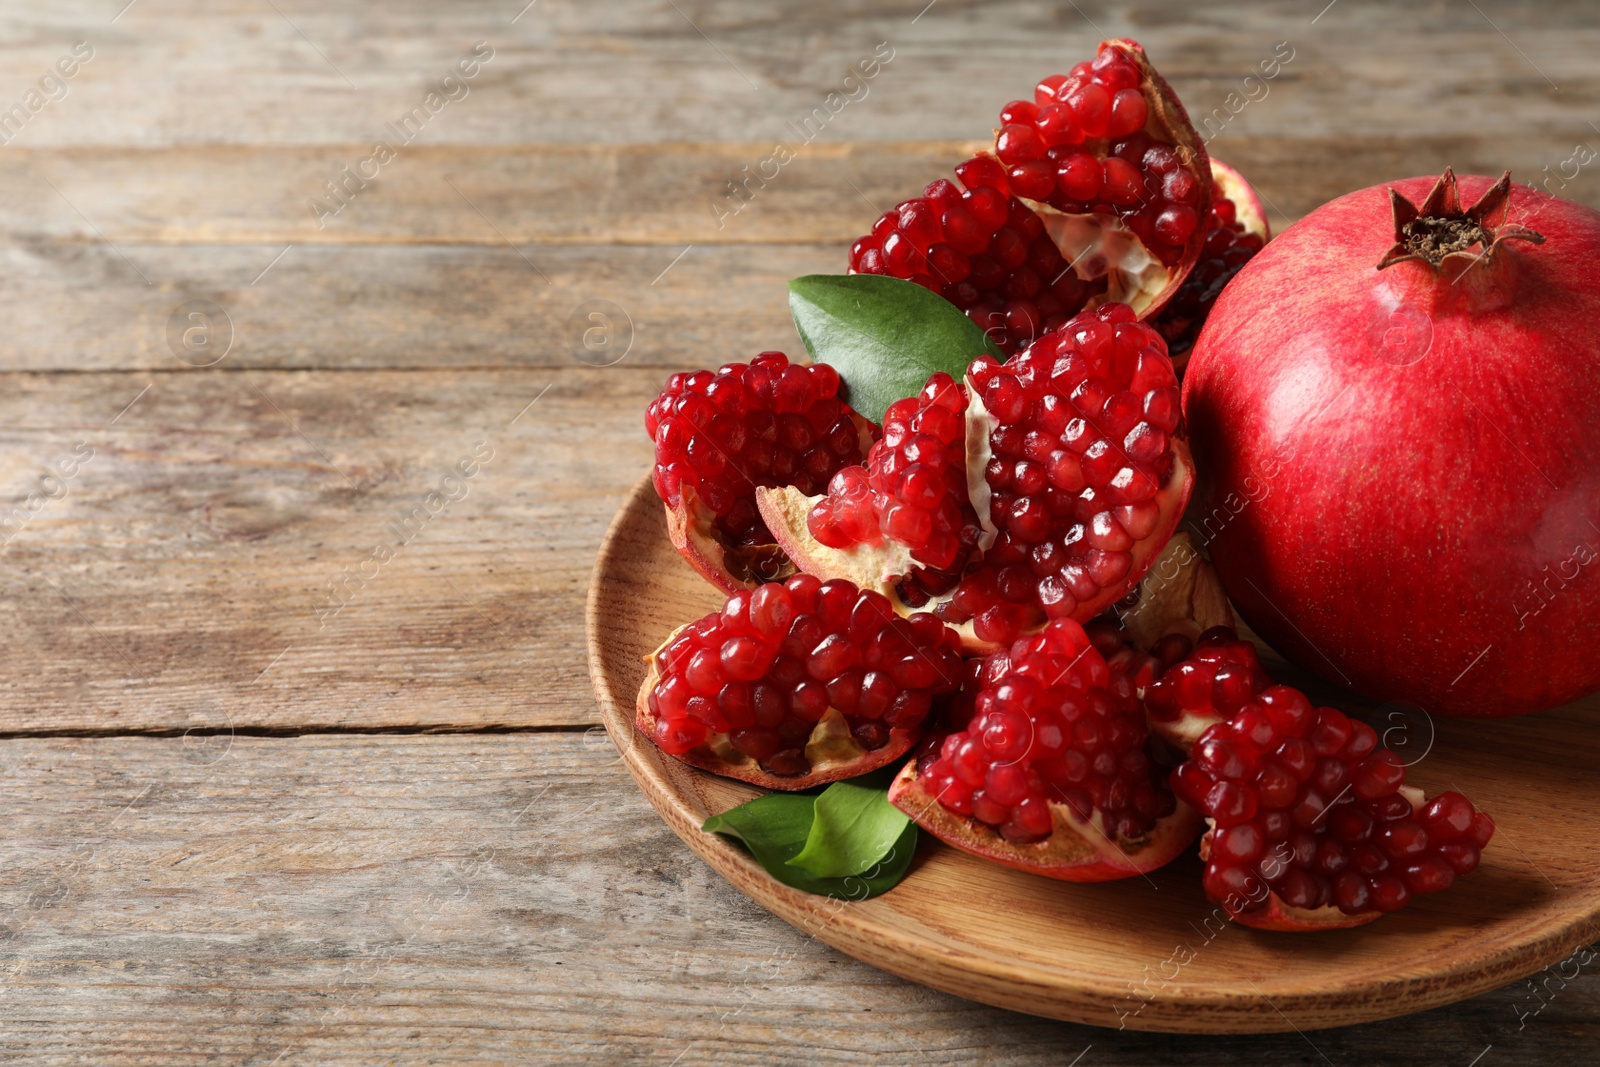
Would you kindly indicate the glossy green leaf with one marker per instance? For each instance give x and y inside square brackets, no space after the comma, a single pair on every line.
[854,827]
[776,827]
[883,335]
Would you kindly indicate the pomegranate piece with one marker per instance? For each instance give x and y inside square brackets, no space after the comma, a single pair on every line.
[1051,773]
[1222,677]
[1074,470]
[913,488]
[1312,825]
[1236,229]
[1080,445]
[1097,191]
[797,683]
[982,249]
[1417,359]
[720,434]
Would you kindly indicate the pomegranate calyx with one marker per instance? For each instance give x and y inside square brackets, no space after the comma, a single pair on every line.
[1438,230]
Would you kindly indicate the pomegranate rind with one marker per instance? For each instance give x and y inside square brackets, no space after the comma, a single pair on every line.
[1179,594]
[1250,212]
[881,566]
[691,527]
[1075,851]
[833,751]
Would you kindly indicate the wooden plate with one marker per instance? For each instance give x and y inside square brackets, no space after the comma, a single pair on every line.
[1151,953]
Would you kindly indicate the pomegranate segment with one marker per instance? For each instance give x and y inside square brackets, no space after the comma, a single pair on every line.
[1110,139]
[797,683]
[1082,460]
[1312,826]
[1097,190]
[719,435]
[1236,229]
[983,250]
[1051,773]
[913,488]
[1220,679]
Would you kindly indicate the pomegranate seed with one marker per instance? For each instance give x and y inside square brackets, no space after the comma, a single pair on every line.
[1227,248]
[1121,182]
[1019,111]
[1046,91]
[1091,104]
[1128,112]
[1019,144]
[1175,224]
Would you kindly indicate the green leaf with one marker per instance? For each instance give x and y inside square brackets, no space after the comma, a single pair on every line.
[854,827]
[883,335]
[775,828]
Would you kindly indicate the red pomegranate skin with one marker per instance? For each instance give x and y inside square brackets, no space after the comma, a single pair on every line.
[1400,474]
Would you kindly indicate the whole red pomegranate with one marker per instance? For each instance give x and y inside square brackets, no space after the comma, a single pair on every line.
[1395,412]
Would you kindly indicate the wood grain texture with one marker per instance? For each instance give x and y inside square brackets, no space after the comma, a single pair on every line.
[86,307]
[179,72]
[494,899]
[674,194]
[411,276]
[182,579]
[1105,954]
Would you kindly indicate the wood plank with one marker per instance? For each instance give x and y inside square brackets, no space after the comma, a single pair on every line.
[181,576]
[608,70]
[672,194]
[99,305]
[88,307]
[351,900]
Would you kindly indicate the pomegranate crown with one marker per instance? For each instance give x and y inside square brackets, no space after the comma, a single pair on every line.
[1439,233]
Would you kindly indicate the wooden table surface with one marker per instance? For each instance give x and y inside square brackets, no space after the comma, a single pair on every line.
[275,797]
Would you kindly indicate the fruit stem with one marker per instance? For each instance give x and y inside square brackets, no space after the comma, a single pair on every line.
[1438,228]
